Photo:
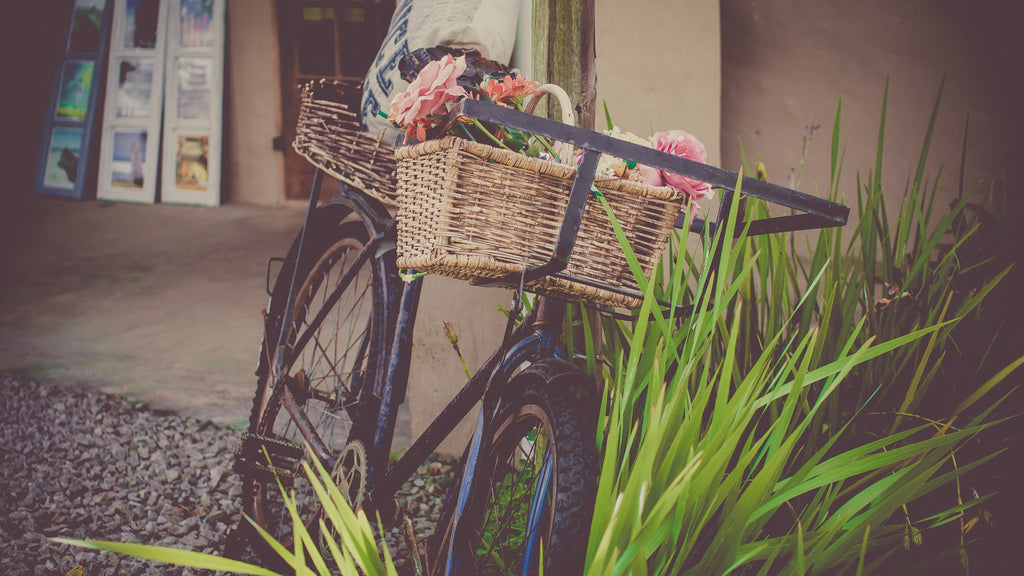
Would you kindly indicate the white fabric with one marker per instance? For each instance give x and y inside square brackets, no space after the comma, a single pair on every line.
[485,25]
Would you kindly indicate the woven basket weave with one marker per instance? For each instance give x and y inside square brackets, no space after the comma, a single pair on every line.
[474,212]
[329,135]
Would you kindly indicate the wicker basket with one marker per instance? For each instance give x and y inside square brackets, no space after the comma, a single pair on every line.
[475,212]
[329,135]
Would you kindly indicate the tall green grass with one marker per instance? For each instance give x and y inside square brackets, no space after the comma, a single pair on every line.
[788,426]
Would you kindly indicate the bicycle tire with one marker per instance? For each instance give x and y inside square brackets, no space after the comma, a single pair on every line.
[339,351]
[549,397]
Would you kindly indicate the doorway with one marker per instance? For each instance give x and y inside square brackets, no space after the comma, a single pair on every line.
[335,39]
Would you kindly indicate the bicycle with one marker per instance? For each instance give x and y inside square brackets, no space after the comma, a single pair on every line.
[334,379]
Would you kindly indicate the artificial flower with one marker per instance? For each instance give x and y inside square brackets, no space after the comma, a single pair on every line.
[430,92]
[611,166]
[508,91]
[684,145]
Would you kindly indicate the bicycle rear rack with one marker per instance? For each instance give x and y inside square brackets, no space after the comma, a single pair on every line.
[814,212]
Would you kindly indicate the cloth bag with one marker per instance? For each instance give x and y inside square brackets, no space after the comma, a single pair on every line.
[488,26]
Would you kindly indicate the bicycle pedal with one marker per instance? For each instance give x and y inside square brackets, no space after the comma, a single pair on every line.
[251,461]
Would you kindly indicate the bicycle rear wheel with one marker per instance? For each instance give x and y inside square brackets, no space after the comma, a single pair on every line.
[536,482]
[322,374]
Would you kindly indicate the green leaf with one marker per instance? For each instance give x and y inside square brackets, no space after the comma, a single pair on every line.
[170,556]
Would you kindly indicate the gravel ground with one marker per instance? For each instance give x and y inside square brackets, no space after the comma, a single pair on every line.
[79,464]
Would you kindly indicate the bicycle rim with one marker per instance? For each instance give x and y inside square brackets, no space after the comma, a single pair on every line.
[536,485]
[329,368]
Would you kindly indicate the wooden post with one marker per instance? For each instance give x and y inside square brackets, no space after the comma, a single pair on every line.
[563,51]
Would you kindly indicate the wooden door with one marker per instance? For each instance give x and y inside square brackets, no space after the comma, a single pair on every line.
[322,39]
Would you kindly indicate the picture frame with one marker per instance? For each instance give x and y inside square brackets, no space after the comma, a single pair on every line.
[191,162]
[75,88]
[64,152]
[133,113]
[129,158]
[196,24]
[65,165]
[193,90]
[87,29]
[141,24]
[134,93]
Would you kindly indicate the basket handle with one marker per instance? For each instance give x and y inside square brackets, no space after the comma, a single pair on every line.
[564,103]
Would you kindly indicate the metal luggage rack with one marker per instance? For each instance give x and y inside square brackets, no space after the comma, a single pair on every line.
[815,213]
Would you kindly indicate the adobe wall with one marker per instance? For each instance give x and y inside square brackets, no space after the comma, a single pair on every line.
[785,65]
[659,67]
[253,170]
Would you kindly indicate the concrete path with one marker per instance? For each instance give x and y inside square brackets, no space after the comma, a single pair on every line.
[164,303]
[159,303]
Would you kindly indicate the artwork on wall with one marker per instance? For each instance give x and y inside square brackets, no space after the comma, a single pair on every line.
[133,109]
[63,153]
[129,158]
[140,24]
[192,165]
[134,87]
[194,78]
[159,51]
[75,88]
[193,114]
[65,167]
[87,26]
[196,27]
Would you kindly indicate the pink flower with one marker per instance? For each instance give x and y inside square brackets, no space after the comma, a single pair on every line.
[650,176]
[684,145]
[435,87]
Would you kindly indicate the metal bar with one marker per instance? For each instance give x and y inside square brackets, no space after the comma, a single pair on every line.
[397,378]
[306,428]
[789,223]
[728,196]
[570,226]
[438,430]
[452,414]
[763,226]
[468,477]
[725,179]
[286,320]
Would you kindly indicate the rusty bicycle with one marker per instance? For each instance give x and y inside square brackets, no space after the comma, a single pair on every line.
[335,360]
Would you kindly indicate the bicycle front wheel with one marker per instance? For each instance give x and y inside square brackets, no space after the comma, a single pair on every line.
[536,482]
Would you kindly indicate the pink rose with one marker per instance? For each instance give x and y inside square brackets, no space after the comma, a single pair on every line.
[650,176]
[684,145]
[434,88]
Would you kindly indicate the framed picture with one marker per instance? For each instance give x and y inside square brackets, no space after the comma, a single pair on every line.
[194,81]
[141,24]
[192,163]
[75,87]
[86,26]
[65,164]
[127,169]
[134,87]
[63,155]
[195,27]
[133,118]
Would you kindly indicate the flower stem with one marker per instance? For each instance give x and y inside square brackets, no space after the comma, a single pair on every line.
[494,139]
[544,142]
